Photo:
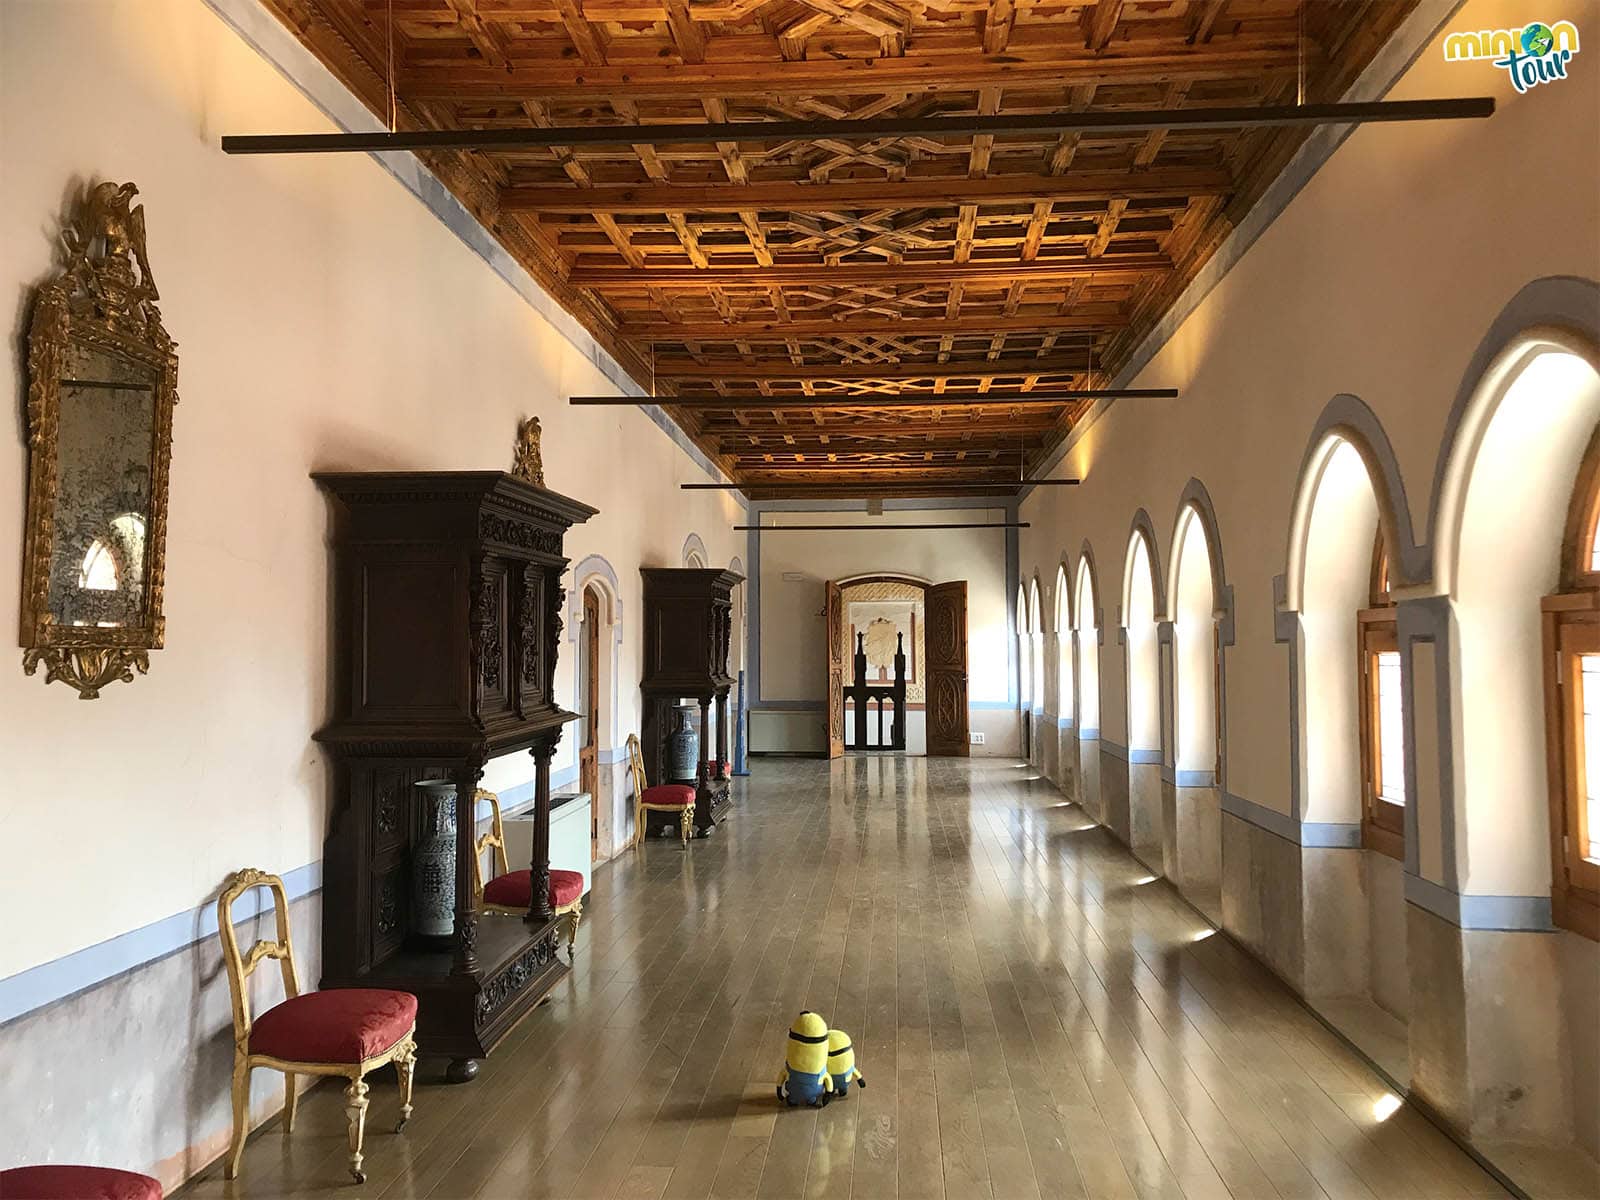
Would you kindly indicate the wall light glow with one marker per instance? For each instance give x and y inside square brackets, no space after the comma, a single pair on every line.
[1202,935]
[1385,1106]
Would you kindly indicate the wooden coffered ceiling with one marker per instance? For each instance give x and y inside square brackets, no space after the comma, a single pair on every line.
[922,266]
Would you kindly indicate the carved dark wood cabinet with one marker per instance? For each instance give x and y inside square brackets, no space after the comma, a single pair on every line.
[447,620]
[688,630]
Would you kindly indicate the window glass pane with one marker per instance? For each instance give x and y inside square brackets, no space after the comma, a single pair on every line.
[1391,745]
[1591,751]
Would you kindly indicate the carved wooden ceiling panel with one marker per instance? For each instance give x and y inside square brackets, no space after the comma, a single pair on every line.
[818,267]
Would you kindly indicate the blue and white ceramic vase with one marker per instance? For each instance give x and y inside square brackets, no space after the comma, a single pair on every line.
[433,861]
[683,743]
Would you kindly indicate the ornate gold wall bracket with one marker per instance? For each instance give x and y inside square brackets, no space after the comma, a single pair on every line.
[102,384]
[86,670]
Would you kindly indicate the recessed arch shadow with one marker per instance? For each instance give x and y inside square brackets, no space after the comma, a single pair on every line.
[1347,418]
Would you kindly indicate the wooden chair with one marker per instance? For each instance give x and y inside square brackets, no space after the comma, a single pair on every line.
[676,798]
[511,892]
[345,1032]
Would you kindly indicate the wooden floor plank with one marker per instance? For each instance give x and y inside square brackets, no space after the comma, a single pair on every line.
[1035,1016]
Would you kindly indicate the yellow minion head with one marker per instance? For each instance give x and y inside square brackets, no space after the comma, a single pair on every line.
[808,1045]
[841,1054]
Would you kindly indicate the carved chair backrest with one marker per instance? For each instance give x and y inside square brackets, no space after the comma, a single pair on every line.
[496,838]
[242,966]
[636,762]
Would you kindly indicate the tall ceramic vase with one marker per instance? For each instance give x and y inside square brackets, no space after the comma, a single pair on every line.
[683,743]
[433,861]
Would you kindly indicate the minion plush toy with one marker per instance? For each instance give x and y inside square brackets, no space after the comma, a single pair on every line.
[805,1078]
[842,1063]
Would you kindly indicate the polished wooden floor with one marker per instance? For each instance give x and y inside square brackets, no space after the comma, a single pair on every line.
[1035,1017]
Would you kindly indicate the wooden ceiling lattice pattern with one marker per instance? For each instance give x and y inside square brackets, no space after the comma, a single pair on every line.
[829,268]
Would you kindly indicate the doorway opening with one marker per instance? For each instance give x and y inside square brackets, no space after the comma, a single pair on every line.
[897,672]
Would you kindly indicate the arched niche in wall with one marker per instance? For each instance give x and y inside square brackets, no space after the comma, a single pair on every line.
[1086,634]
[1036,635]
[1066,701]
[1506,486]
[1338,514]
[1139,615]
[1024,651]
[1198,606]
[694,552]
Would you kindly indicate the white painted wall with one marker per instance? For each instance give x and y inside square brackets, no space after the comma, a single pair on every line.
[325,320]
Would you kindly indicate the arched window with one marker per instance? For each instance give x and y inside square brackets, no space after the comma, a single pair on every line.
[99,570]
[1572,655]
[1383,757]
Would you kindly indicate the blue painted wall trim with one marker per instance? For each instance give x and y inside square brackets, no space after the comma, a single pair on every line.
[1326,835]
[1064,723]
[1144,757]
[1114,749]
[1186,778]
[1514,914]
[1088,734]
[72,973]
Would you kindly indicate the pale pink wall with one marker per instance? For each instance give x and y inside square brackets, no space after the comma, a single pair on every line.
[325,319]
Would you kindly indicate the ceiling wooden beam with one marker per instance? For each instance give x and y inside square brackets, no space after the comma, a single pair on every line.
[865,323]
[847,195]
[773,370]
[1023,424]
[1048,64]
[869,274]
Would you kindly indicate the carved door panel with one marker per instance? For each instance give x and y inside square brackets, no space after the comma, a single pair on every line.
[833,608]
[946,645]
[491,652]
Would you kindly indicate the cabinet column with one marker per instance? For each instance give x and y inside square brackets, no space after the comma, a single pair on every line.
[722,735]
[703,824]
[539,911]
[465,960]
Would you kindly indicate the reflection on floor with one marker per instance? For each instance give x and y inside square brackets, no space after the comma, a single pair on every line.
[1032,1019]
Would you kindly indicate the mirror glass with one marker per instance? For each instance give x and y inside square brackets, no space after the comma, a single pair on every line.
[106,443]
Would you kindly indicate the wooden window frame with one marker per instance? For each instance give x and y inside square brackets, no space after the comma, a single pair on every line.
[1571,629]
[1383,822]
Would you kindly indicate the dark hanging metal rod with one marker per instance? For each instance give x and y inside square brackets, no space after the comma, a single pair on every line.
[883,528]
[860,489]
[1137,120]
[886,399]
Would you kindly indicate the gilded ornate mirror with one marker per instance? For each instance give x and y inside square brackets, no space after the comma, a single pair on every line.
[102,382]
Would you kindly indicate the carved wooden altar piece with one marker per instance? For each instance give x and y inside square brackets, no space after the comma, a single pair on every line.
[688,632]
[447,622]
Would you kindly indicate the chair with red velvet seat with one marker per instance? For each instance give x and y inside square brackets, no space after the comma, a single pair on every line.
[676,798]
[346,1032]
[60,1181]
[511,892]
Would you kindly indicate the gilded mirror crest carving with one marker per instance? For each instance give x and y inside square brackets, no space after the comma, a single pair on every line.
[102,383]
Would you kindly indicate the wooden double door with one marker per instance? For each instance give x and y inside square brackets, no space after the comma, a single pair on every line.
[945,640]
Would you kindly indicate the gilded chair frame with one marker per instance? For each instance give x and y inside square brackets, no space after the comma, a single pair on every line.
[640,808]
[240,967]
[495,840]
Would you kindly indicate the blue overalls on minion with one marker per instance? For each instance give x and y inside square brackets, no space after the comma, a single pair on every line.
[805,1078]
